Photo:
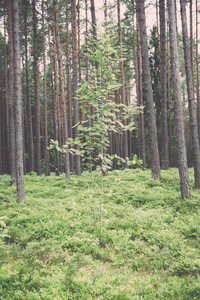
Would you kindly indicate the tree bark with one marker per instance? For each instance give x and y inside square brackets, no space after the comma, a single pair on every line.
[11,94]
[46,151]
[123,96]
[62,93]
[75,85]
[191,98]
[18,104]
[69,98]
[197,67]
[37,101]
[182,156]
[28,100]
[155,162]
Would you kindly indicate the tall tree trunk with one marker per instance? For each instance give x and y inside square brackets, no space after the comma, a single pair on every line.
[191,41]
[197,67]
[11,94]
[182,156]
[28,100]
[37,101]
[191,98]
[18,104]
[62,93]
[123,96]
[169,102]
[75,85]
[46,151]
[138,79]
[155,162]
[69,98]
[6,97]
[165,152]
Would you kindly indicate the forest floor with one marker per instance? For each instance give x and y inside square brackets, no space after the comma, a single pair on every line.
[51,248]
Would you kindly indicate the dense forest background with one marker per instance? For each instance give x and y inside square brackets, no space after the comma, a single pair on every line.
[105,90]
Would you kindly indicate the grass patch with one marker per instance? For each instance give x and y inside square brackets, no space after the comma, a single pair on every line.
[51,249]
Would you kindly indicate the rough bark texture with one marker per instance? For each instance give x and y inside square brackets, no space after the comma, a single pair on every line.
[28,100]
[37,101]
[69,99]
[75,85]
[138,78]
[191,98]
[46,151]
[18,104]
[11,95]
[182,156]
[165,152]
[197,67]
[55,101]
[62,93]
[153,142]
[123,95]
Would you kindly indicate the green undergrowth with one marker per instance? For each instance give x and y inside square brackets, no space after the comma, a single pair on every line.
[51,249]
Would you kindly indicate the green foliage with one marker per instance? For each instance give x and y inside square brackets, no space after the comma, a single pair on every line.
[49,248]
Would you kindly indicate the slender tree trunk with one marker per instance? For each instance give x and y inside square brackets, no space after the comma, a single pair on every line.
[169,102]
[6,97]
[46,151]
[62,93]
[123,96]
[191,41]
[37,102]
[18,104]
[182,156]
[138,79]
[165,152]
[28,100]
[11,95]
[197,67]
[69,99]
[191,98]
[75,86]
[155,162]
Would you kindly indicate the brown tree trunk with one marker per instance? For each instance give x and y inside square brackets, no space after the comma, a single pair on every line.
[46,151]
[123,95]
[197,67]
[69,99]
[75,85]
[165,152]
[11,94]
[62,93]
[182,156]
[28,100]
[18,104]
[191,98]
[155,162]
[191,40]
[37,101]
[138,79]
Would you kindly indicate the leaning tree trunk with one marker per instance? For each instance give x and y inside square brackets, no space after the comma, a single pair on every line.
[191,98]
[153,141]
[165,152]
[18,104]
[182,156]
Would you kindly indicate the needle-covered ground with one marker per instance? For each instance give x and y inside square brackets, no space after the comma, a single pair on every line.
[51,248]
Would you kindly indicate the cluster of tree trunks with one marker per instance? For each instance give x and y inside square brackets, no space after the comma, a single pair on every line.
[30,132]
